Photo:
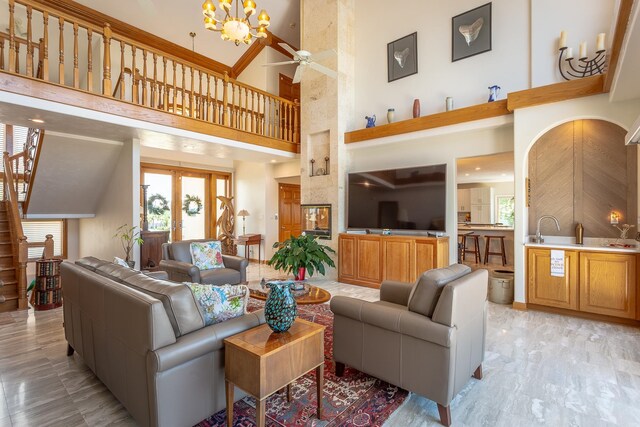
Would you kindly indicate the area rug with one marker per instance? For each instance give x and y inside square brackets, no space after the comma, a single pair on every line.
[354,400]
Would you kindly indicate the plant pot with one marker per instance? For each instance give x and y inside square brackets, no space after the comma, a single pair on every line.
[280,310]
[132,264]
[300,275]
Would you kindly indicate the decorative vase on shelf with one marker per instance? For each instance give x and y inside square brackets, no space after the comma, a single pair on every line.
[391,115]
[371,121]
[280,310]
[416,108]
[494,92]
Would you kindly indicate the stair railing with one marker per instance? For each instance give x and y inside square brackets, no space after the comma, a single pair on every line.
[161,80]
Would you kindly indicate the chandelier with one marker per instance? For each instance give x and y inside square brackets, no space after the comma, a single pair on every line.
[236,28]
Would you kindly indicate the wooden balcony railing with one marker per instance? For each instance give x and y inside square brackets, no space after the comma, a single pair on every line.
[80,55]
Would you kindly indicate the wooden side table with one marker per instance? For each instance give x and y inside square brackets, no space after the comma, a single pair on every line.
[248,240]
[261,362]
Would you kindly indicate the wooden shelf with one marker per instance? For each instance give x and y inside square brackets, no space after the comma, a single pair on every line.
[448,118]
[556,92]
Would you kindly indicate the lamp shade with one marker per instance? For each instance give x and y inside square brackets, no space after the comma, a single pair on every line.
[243,213]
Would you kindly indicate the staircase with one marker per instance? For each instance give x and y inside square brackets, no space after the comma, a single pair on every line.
[8,265]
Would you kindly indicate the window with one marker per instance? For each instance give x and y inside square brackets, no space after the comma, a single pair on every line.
[36,232]
[506,210]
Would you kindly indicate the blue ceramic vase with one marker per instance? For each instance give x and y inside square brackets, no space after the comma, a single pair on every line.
[280,311]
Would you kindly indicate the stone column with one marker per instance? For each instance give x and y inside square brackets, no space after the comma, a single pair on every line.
[327,107]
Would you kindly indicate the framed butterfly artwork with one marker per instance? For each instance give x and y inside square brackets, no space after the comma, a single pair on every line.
[471,33]
[402,57]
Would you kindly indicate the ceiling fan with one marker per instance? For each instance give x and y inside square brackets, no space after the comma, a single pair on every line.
[306,59]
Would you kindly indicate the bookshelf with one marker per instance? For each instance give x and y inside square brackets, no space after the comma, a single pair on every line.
[48,290]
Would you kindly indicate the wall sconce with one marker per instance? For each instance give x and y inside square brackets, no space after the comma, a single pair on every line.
[614,217]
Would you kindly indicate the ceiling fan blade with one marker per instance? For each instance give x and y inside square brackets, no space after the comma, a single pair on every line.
[324,70]
[289,49]
[279,63]
[298,76]
[320,56]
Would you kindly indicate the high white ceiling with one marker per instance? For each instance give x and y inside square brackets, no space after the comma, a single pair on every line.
[174,20]
[492,168]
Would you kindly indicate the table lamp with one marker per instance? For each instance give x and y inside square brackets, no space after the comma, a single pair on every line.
[243,213]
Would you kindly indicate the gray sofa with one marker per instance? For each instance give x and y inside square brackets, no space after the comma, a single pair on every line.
[426,337]
[176,260]
[145,339]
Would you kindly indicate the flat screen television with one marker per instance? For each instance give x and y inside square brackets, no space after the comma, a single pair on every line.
[398,199]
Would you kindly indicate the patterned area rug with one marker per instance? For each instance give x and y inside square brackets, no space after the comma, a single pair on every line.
[355,399]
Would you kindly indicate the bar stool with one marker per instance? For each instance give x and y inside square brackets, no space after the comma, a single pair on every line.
[461,246]
[476,247]
[487,251]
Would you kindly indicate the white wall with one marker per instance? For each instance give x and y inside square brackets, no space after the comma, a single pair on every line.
[529,125]
[521,30]
[438,149]
[266,78]
[119,204]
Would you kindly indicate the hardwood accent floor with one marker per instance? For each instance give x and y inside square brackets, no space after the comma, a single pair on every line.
[540,368]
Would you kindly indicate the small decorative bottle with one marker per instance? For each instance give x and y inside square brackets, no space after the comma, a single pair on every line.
[579,233]
[416,108]
[449,103]
[391,115]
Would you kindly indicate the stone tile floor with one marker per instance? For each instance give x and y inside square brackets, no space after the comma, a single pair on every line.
[540,369]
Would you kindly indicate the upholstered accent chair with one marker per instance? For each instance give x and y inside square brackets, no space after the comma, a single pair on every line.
[176,261]
[426,337]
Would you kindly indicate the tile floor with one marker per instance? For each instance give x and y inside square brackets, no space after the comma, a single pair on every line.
[540,369]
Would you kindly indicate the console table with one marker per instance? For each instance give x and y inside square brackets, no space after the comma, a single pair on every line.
[368,259]
[248,240]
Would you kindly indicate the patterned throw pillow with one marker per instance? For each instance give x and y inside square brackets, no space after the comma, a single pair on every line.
[220,303]
[206,255]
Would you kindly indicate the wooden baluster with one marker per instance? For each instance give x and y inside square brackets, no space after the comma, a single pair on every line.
[290,121]
[76,70]
[263,118]
[154,87]
[216,113]
[192,112]
[106,79]
[122,80]
[45,47]
[12,37]
[175,91]
[144,77]
[184,90]
[134,82]
[208,100]
[247,116]
[296,109]
[30,71]
[89,60]
[2,54]
[239,108]
[225,98]
[165,94]
[17,65]
[23,256]
[200,114]
[234,116]
[61,48]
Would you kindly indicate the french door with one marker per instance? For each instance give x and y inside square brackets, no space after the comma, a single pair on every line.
[184,201]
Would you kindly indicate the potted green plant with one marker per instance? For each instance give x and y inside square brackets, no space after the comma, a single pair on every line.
[128,237]
[302,254]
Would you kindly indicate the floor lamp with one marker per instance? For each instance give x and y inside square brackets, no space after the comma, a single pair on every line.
[243,213]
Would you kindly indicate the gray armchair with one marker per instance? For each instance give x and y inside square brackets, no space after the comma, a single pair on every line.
[176,261]
[426,337]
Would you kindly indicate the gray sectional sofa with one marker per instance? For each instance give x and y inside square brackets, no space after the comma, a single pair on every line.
[145,339]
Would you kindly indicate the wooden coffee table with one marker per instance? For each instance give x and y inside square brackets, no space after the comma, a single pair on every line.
[316,295]
[261,362]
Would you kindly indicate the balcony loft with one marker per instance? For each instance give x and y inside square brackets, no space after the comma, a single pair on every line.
[66,58]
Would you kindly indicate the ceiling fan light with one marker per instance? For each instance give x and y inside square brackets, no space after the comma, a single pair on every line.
[249,7]
[263,19]
[261,33]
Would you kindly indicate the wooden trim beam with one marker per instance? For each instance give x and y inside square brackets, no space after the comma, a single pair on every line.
[35,88]
[556,92]
[99,19]
[622,23]
[454,117]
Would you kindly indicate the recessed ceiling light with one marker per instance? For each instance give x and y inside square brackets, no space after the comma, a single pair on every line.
[189,146]
[466,174]
[36,120]
[273,160]
[478,168]
[504,174]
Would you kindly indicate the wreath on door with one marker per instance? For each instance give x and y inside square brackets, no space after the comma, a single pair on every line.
[192,205]
[157,204]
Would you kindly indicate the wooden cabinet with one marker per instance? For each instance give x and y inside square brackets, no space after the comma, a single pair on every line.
[464,200]
[369,259]
[151,249]
[481,214]
[608,284]
[545,289]
[596,282]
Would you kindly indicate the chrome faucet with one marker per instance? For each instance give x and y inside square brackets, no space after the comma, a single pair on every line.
[538,238]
